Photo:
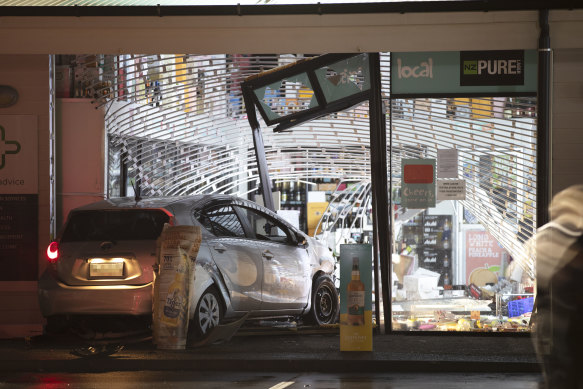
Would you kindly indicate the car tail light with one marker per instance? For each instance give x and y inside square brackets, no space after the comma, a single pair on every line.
[170,216]
[53,252]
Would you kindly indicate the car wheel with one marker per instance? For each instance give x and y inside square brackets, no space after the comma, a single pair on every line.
[325,302]
[209,312]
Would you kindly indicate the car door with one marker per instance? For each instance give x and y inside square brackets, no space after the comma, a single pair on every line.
[286,267]
[235,255]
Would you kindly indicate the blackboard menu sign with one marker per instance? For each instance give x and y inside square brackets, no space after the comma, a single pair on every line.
[19,237]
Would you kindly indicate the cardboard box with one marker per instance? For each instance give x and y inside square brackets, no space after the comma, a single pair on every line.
[291,216]
[315,213]
[327,187]
[401,265]
[421,285]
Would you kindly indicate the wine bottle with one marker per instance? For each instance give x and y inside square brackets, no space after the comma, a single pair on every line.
[292,192]
[284,197]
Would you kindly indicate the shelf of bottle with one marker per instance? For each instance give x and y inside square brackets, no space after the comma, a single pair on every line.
[292,202]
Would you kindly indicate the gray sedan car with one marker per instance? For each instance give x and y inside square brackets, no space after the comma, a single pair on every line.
[100,272]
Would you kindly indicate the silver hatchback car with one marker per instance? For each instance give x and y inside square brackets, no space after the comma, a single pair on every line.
[100,274]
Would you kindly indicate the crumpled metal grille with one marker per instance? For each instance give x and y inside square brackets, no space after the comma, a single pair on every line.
[178,122]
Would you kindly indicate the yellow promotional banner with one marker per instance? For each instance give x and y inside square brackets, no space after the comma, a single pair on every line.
[356,297]
[177,249]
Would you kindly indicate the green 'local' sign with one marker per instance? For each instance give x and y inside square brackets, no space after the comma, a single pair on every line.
[443,73]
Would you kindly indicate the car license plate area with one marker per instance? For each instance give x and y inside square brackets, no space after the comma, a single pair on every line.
[106,269]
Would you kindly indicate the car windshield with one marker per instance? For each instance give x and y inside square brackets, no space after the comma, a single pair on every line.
[115,225]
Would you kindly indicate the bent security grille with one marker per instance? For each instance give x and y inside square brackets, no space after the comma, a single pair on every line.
[177,123]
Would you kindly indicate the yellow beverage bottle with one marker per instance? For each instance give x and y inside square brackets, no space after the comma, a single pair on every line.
[355,297]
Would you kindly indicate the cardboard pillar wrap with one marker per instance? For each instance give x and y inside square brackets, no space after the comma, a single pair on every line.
[177,250]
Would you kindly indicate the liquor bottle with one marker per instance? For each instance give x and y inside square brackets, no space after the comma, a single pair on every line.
[292,192]
[355,297]
[446,243]
[298,195]
[284,192]
[446,261]
[446,280]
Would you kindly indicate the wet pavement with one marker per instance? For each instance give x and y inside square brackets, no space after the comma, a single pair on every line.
[280,350]
[269,380]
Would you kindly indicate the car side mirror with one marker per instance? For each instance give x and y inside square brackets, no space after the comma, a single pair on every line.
[302,242]
[267,228]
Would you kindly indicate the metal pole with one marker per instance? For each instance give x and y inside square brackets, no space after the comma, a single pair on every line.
[258,145]
[390,205]
[380,200]
[123,174]
[544,149]
[543,155]
[54,208]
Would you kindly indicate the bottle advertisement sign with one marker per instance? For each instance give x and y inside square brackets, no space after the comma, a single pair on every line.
[356,297]
[418,184]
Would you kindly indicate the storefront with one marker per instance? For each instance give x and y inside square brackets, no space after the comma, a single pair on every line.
[494,136]
[461,179]
[465,189]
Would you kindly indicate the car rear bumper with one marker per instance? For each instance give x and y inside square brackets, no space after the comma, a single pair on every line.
[56,298]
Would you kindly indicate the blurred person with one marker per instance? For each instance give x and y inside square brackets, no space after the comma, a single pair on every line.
[558,322]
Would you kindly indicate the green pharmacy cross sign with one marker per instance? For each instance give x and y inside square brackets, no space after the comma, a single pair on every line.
[15,149]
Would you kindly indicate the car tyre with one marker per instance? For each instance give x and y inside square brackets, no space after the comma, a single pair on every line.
[209,312]
[325,301]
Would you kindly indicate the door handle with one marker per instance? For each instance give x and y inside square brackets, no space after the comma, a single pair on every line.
[220,248]
[267,254]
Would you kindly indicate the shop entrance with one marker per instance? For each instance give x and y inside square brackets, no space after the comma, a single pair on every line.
[190,135]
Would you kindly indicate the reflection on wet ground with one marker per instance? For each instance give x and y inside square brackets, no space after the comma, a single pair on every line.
[207,380]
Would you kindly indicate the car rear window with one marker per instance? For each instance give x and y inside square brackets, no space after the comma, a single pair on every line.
[115,225]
